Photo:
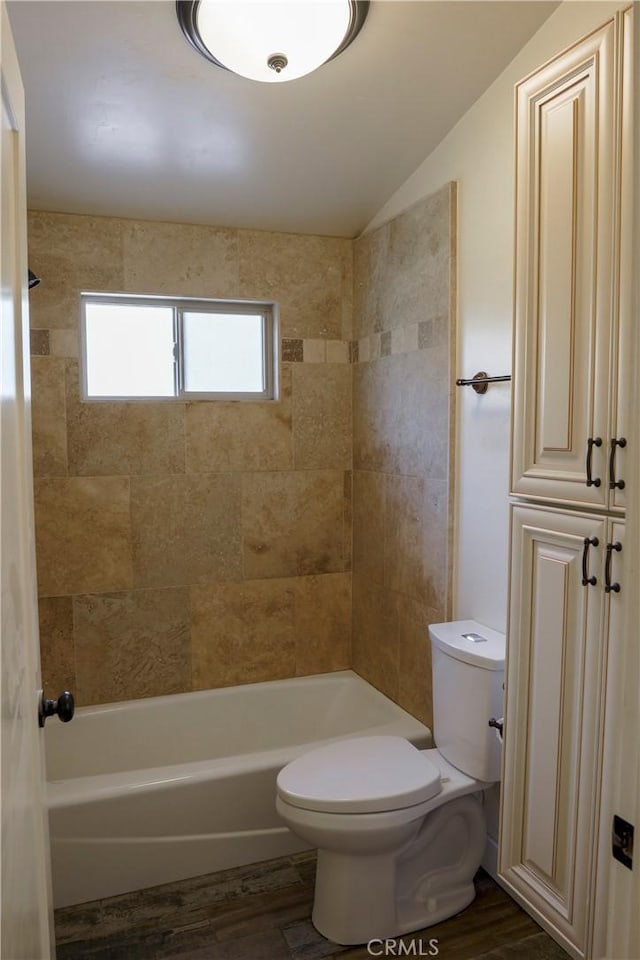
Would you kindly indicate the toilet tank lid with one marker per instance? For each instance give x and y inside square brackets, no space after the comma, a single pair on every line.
[360,775]
[471,642]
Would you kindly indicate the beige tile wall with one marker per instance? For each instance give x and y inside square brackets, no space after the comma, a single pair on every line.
[183,546]
[187,546]
[403,417]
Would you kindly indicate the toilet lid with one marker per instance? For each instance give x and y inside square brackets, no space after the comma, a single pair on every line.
[360,775]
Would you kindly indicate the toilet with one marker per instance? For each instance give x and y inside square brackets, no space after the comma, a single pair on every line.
[401,832]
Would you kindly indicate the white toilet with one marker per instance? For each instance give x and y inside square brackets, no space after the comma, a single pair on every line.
[401,832]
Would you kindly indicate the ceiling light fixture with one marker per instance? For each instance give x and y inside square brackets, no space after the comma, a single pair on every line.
[268,40]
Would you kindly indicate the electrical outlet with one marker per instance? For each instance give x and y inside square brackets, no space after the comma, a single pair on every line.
[622,841]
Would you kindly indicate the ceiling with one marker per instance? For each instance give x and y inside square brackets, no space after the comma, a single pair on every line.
[124,118]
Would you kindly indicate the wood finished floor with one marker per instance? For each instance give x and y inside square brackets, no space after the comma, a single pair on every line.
[262,912]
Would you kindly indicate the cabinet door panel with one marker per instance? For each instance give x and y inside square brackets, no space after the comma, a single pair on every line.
[565,129]
[613,660]
[623,344]
[552,705]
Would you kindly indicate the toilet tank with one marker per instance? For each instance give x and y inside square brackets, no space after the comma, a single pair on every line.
[468,676]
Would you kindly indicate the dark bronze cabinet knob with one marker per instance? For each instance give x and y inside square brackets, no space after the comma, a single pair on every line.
[64,707]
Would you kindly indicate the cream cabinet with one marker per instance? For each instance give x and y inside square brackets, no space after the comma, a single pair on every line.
[567,580]
[620,425]
[572,413]
[612,687]
[572,276]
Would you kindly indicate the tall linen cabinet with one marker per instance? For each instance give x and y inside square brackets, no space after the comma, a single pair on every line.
[570,437]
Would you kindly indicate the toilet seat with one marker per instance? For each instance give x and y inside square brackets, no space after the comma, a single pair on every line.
[360,775]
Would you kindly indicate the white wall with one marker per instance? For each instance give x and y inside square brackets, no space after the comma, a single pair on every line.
[478,153]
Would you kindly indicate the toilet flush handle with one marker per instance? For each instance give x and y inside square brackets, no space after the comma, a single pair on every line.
[498,724]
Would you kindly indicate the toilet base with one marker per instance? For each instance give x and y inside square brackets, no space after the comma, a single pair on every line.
[356,923]
[347,889]
[436,909]
[359,898]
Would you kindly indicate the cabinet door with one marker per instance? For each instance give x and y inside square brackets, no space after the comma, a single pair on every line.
[565,140]
[552,717]
[621,434]
[615,715]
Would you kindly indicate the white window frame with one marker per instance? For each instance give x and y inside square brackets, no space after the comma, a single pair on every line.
[180,305]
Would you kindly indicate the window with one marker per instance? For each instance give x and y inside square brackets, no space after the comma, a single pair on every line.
[161,348]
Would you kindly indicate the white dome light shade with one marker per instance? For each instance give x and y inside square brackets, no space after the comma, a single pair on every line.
[267,40]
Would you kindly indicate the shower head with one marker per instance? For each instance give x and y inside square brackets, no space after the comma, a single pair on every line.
[33,280]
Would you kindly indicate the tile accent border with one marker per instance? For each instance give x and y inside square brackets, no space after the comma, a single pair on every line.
[292,350]
[62,343]
[315,351]
[39,343]
[407,339]
[415,336]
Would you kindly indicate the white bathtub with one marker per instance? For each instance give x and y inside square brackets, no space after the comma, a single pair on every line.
[149,791]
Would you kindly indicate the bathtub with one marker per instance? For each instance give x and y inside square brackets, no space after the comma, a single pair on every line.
[150,791]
